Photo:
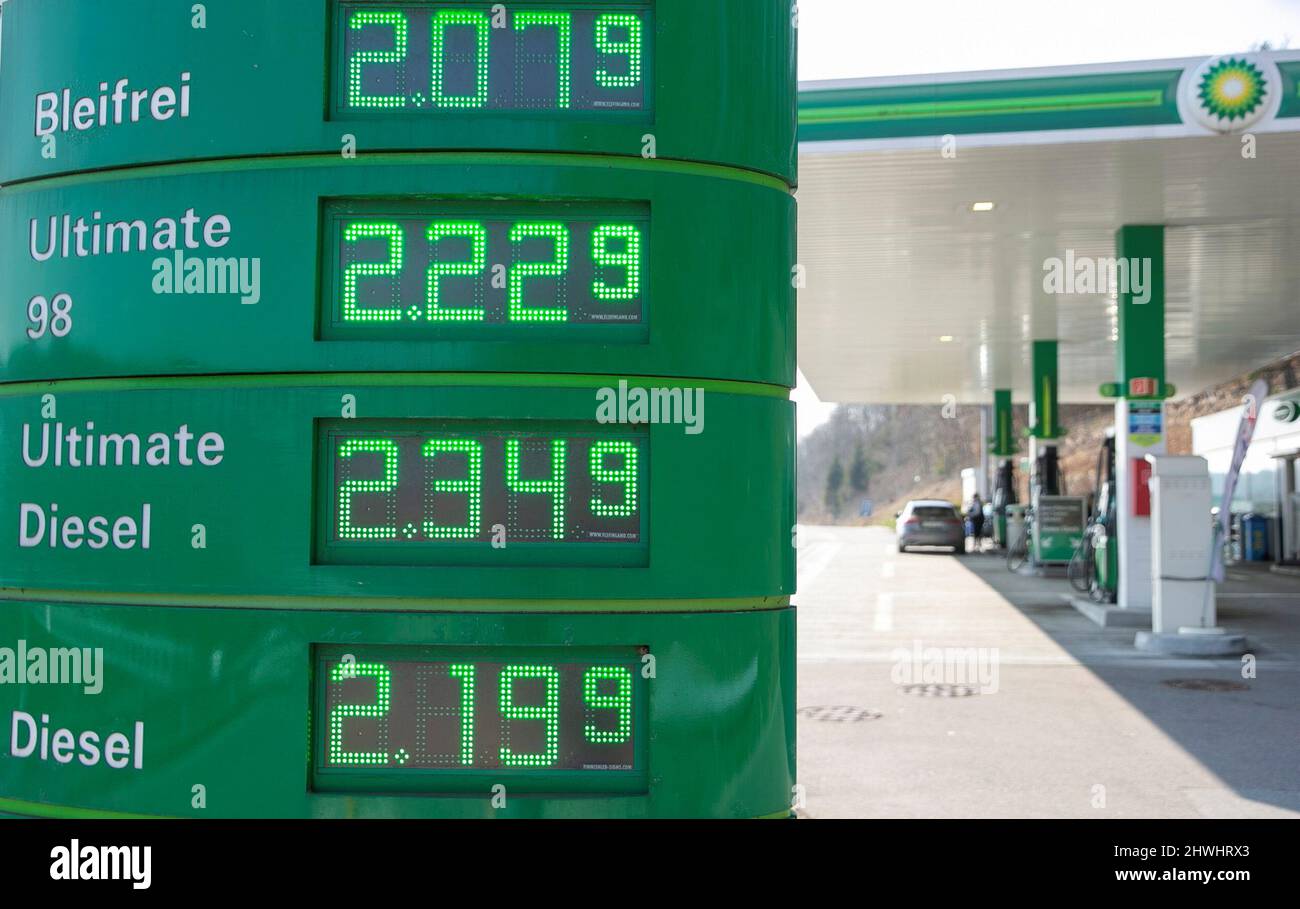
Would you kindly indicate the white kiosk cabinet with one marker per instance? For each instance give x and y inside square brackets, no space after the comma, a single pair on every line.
[1181,543]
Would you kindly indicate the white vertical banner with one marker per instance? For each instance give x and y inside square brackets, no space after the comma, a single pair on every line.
[1245,433]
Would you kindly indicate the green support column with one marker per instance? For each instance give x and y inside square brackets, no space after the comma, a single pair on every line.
[1046,417]
[1004,442]
[1003,447]
[1058,521]
[1141,389]
[1044,423]
[1141,249]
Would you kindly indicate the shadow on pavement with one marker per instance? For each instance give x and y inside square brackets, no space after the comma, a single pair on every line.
[1244,730]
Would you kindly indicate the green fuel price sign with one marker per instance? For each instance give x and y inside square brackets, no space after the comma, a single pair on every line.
[442,488]
[695,82]
[558,707]
[544,264]
[437,718]
[430,406]
[424,58]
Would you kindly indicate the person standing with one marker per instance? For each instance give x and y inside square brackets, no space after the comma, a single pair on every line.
[975,520]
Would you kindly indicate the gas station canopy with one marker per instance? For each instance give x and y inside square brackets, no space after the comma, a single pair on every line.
[929,206]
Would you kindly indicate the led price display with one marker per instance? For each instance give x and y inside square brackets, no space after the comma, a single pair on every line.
[395,709]
[418,487]
[417,269]
[442,57]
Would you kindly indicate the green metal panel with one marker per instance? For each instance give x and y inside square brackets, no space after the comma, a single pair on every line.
[990,106]
[721,501]
[723,88]
[1141,348]
[225,699]
[1107,563]
[1059,524]
[703,259]
[1046,387]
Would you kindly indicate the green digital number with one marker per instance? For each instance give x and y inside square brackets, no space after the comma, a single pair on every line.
[629,48]
[552,486]
[629,260]
[365,230]
[350,488]
[563,25]
[482,25]
[365,19]
[465,673]
[547,712]
[476,233]
[471,486]
[521,272]
[626,476]
[620,701]
[341,712]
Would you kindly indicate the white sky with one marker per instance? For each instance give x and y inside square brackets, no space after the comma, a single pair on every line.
[846,39]
[843,39]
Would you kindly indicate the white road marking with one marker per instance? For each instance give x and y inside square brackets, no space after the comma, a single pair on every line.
[813,560]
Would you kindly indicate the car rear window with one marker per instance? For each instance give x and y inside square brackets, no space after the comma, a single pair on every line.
[934,511]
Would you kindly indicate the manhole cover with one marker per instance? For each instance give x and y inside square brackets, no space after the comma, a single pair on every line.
[839,714]
[1206,685]
[937,690]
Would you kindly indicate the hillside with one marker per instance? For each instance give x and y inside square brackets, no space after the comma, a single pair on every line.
[906,452]
[913,451]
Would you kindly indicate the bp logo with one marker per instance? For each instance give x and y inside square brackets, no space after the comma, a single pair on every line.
[1231,94]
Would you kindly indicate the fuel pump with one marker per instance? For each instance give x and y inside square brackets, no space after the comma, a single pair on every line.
[1004,494]
[1056,522]
[1095,568]
[1047,473]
